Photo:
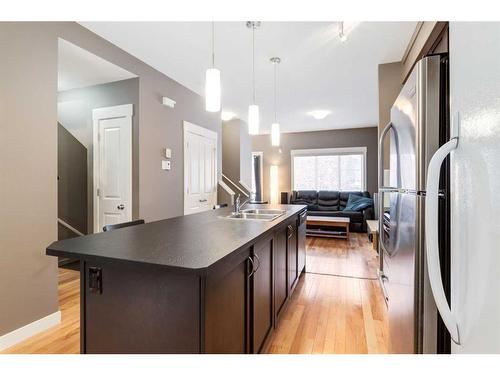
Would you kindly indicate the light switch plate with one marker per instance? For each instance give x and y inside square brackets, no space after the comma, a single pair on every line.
[168,153]
[165,165]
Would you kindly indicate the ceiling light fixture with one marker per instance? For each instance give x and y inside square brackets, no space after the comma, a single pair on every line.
[253,109]
[227,115]
[319,114]
[342,34]
[212,82]
[275,126]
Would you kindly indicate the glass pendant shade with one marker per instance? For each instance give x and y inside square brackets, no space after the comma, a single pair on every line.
[212,90]
[253,119]
[275,134]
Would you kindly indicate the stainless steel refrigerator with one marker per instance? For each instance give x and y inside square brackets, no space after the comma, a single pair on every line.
[418,126]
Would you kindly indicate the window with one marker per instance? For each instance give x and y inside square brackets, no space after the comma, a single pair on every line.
[329,169]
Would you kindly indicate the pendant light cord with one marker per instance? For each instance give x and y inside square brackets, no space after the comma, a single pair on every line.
[213,44]
[253,62]
[275,79]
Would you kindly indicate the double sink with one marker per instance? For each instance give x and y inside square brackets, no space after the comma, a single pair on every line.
[255,214]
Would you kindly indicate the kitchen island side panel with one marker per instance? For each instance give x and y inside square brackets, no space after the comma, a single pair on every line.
[140,309]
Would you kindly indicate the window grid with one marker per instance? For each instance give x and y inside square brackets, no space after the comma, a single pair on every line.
[357,183]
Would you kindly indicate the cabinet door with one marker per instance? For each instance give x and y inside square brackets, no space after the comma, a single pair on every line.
[292,256]
[226,307]
[301,243]
[262,292]
[280,273]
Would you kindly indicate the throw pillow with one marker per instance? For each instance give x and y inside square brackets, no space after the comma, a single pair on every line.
[358,203]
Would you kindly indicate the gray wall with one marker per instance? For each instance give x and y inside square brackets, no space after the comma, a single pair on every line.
[28,170]
[237,151]
[28,156]
[74,112]
[363,137]
[389,87]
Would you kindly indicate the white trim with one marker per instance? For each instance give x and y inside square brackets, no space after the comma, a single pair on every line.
[127,111]
[228,190]
[236,186]
[189,127]
[329,151]
[204,132]
[31,329]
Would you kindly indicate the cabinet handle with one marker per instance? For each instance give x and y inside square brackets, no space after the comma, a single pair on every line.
[258,262]
[253,267]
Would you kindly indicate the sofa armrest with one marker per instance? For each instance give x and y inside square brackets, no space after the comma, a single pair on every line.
[368,214]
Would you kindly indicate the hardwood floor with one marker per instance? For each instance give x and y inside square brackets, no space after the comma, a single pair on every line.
[64,338]
[335,314]
[327,314]
[353,257]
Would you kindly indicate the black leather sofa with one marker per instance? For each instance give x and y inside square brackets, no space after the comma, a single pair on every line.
[332,203]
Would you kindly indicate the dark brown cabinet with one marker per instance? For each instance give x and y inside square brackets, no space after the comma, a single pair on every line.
[292,256]
[280,271]
[227,307]
[301,242]
[230,307]
[262,293]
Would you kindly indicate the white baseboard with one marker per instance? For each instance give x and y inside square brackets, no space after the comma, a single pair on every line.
[29,330]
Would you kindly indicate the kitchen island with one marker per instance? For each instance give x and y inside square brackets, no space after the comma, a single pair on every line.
[201,283]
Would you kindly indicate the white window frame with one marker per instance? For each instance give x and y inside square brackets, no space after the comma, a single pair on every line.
[330,151]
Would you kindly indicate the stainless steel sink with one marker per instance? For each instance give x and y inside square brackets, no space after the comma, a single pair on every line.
[251,214]
[263,211]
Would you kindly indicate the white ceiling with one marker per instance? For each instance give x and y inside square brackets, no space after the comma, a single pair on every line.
[79,68]
[317,71]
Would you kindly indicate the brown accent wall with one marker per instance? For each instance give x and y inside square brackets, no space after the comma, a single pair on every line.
[362,137]
[71,182]
[236,151]
[28,155]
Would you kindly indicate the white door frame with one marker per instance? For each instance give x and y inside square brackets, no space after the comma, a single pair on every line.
[204,132]
[125,110]
[261,154]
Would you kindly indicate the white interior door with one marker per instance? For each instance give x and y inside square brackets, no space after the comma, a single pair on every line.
[200,169]
[112,165]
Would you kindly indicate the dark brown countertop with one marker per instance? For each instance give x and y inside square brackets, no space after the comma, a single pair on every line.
[193,242]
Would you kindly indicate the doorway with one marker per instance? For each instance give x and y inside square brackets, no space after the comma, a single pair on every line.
[95,97]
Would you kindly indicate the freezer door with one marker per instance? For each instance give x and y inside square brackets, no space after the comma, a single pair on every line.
[402,144]
[415,117]
[399,268]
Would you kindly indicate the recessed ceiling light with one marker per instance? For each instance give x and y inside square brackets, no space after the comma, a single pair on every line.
[227,115]
[319,114]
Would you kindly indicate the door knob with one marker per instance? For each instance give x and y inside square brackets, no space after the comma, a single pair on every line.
[121,207]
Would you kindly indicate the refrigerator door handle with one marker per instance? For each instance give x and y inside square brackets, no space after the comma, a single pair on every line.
[381,186]
[431,241]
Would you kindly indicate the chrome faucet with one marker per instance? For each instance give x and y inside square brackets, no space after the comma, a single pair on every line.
[238,205]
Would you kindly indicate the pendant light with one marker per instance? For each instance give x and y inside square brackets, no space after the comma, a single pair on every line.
[342,35]
[212,82]
[275,126]
[253,109]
